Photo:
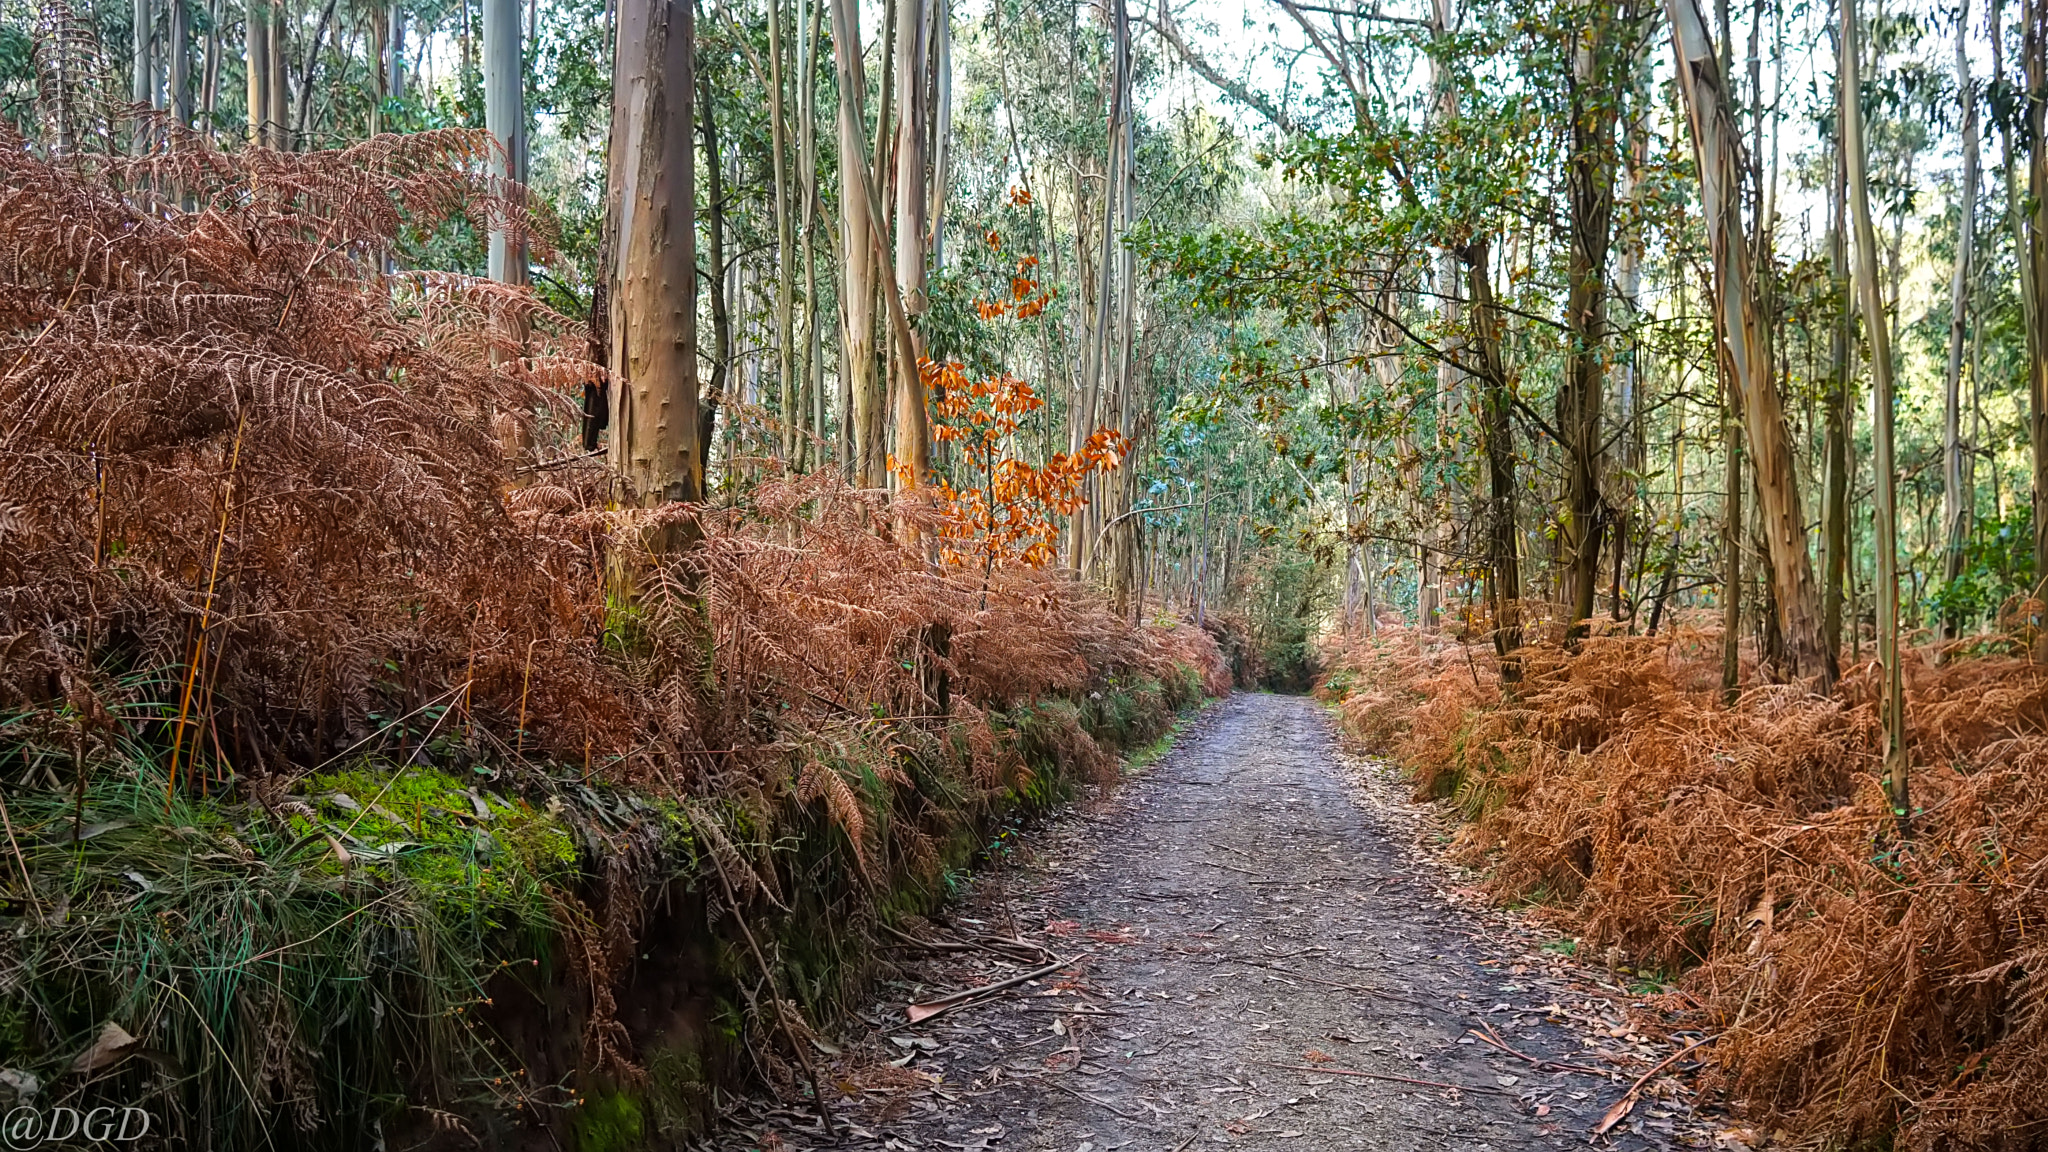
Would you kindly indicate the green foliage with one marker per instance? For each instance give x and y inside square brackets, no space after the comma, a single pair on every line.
[609,1122]
[1998,564]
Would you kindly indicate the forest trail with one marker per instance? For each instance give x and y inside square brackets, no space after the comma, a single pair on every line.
[1253,914]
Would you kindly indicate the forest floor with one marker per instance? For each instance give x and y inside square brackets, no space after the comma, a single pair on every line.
[1252,918]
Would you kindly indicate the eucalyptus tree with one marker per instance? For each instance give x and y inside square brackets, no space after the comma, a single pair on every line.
[653,290]
[1877,328]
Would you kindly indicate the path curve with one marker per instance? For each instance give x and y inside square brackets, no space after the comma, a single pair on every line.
[1256,918]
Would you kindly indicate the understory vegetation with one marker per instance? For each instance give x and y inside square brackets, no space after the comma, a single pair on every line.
[345,800]
[1739,861]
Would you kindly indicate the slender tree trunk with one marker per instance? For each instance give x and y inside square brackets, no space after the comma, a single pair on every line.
[807,183]
[716,275]
[653,297]
[380,53]
[785,238]
[277,81]
[1877,331]
[505,120]
[1835,447]
[1496,411]
[1718,148]
[2033,225]
[1590,192]
[305,124]
[1955,502]
[256,61]
[394,60]
[941,152]
[857,246]
[913,430]
[209,69]
[142,22]
[179,45]
[1731,544]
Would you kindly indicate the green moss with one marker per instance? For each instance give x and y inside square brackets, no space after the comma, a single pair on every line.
[422,824]
[609,1122]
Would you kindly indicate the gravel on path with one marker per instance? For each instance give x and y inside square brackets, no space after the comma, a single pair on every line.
[1266,956]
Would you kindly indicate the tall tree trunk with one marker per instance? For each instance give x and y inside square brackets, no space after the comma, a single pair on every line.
[209,69]
[1877,330]
[1717,145]
[1731,541]
[1955,501]
[1089,410]
[178,30]
[142,25]
[1590,193]
[857,248]
[913,429]
[380,53]
[785,238]
[1496,412]
[716,275]
[276,77]
[807,183]
[941,152]
[2033,225]
[301,136]
[505,120]
[1835,448]
[653,297]
[256,63]
[394,60]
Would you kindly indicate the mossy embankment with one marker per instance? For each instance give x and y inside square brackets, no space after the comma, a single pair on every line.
[454,945]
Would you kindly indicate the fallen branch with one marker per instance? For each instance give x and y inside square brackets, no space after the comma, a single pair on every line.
[919,1013]
[1054,1084]
[1489,1036]
[1003,946]
[1627,1103]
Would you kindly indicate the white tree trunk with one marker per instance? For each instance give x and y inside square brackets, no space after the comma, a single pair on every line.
[1877,329]
[505,120]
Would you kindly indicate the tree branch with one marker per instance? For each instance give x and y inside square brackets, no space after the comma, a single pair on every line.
[1241,93]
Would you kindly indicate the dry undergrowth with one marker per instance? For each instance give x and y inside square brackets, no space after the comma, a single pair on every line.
[267,507]
[258,496]
[1858,986]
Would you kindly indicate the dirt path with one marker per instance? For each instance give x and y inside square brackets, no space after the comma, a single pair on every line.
[1251,916]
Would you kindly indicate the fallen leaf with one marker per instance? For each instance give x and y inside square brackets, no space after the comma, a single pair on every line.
[113,1044]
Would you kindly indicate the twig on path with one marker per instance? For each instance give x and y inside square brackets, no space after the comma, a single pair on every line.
[1384,1076]
[1383,994]
[1183,1145]
[1489,1036]
[1001,946]
[1330,879]
[919,1013]
[1234,868]
[1627,1103]
[1056,1085]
